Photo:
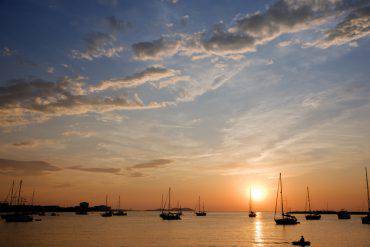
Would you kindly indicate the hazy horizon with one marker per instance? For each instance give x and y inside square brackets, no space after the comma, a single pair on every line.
[210,98]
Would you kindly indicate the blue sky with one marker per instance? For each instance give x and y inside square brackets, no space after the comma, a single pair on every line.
[170,92]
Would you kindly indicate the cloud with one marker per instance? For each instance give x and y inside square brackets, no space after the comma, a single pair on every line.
[111,3]
[99,44]
[117,25]
[355,26]
[96,169]
[147,75]
[14,167]
[33,143]
[252,30]
[152,164]
[6,52]
[70,133]
[156,49]
[184,20]
[50,70]
[25,101]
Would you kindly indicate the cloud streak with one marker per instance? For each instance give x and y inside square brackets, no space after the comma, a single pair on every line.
[32,168]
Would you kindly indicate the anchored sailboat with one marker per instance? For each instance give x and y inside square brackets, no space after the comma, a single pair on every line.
[252,214]
[168,214]
[108,212]
[17,216]
[286,219]
[119,211]
[366,219]
[200,212]
[311,215]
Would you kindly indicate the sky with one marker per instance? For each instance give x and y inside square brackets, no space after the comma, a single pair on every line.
[210,98]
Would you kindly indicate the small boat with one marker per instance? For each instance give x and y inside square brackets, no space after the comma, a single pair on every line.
[108,212]
[301,242]
[169,215]
[343,215]
[200,212]
[54,214]
[251,214]
[119,211]
[286,219]
[81,212]
[311,215]
[366,219]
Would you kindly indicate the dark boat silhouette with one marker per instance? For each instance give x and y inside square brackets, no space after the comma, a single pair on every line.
[343,215]
[119,211]
[251,214]
[17,216]
[200,212]
[286,219]
[311,215]
[168,214]
[301,242]
[108,212]
[366,219]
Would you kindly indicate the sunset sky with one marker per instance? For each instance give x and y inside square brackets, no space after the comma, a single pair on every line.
[208,97]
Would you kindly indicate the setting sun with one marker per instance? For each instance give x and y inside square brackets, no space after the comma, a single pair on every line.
[258,193]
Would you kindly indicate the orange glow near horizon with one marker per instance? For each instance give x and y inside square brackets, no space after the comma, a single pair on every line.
[258,193]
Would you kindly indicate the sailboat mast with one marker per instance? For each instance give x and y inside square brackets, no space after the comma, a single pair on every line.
[11,194]
[250,199]
[33,195]
[119,202]
[309,200]
[106,200]
[367,189]
[19,192]
[281,196]
[198,203]
[169,199]
[162,206]
[203,206]
[277,197]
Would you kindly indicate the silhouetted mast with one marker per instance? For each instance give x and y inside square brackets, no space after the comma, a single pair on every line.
[250,199]
[281,196]
[309,201]
[19,192]
[367,189]
[169,199]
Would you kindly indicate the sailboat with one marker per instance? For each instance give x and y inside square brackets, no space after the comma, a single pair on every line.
[252,214]
[366,219]
[18,216]
[286,219]
[311,215]
[109,212]
[168,214]
[200,212]
[119,211]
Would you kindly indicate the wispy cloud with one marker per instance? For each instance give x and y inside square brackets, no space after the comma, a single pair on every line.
[152,164]
[15,167]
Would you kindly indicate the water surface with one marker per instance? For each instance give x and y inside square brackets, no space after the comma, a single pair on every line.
[216,229]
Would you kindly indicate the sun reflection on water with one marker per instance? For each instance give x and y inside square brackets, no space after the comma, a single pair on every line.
[258,234]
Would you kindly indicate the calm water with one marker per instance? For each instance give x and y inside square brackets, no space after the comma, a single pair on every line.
[147,229]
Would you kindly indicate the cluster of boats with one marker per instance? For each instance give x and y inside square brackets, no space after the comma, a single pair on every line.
[288,219]
[169,213]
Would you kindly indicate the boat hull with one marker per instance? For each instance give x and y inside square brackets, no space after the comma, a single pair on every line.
[201,214]
[313,217]
[170,216]
[300,243]
[120,213]
[17,218]
[107,214]
[366,219]
[252,215]
[286,221]
[343,215]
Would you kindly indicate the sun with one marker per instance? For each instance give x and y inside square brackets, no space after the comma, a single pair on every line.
[258,193]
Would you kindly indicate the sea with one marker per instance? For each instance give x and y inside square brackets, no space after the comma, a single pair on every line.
[146,228]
